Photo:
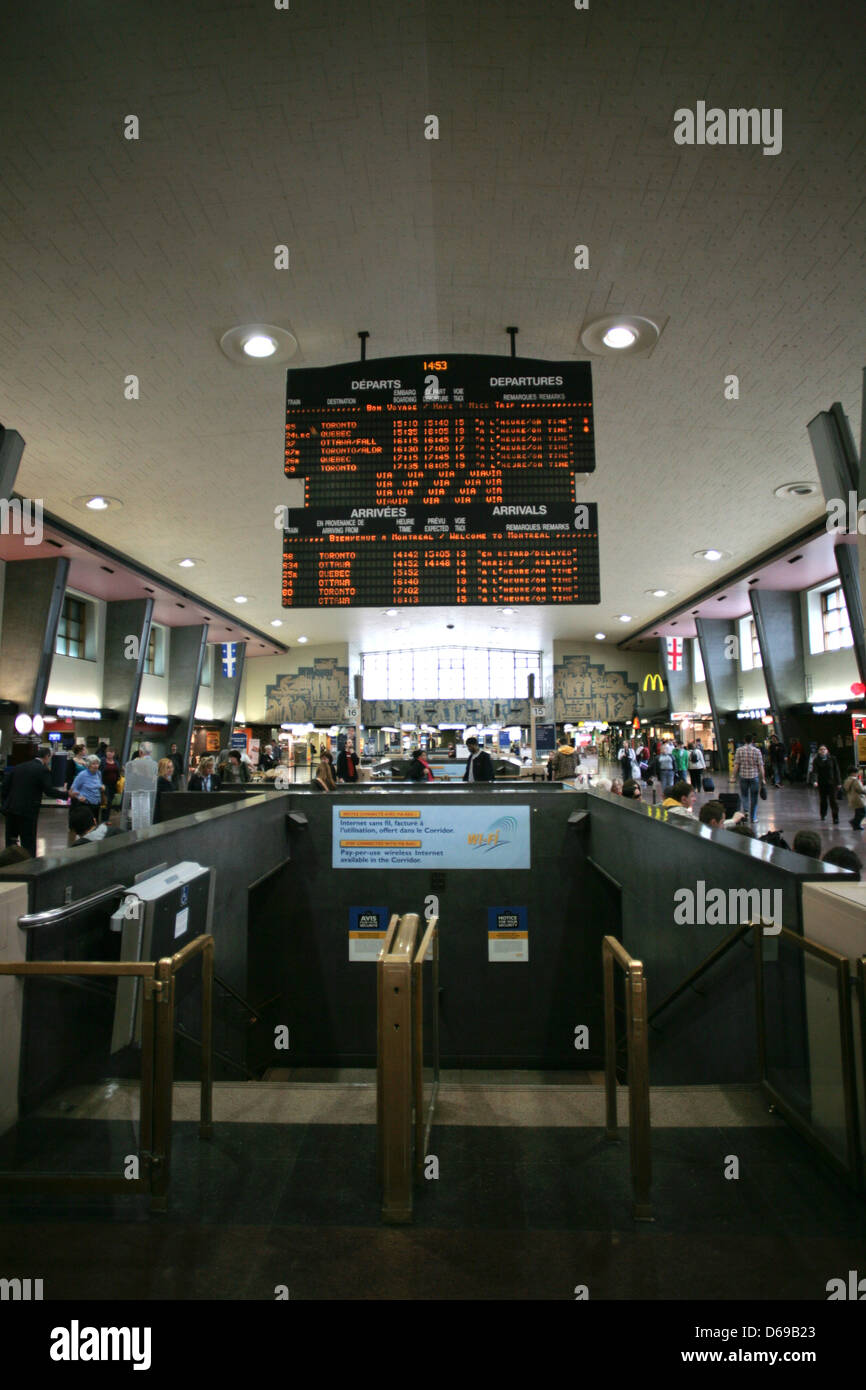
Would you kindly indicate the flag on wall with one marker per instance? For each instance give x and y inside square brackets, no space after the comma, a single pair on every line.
[675,653]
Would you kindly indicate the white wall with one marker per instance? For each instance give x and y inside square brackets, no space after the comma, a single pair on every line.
[829,675]
[75,682]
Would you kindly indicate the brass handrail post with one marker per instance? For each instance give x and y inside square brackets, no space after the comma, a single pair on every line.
[380,1079]
[205,1127]
[609,1045]
[395,1069]
[423,1117]
[163,987]
[638,1091]
[637,1074]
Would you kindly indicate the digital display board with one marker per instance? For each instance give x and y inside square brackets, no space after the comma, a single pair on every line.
[437,481]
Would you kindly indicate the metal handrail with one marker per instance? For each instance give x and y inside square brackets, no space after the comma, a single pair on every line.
[715,954]
[637,1033]
[52,915]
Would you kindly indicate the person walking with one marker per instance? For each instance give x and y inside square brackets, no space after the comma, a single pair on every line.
[479,765]
[23,789]
[777,760]
[697,765]
[749,768]
[628,763]
[177,765]
[419,770]
[86,787]
[825,776]
[112,780]
[856,793]
[666,768]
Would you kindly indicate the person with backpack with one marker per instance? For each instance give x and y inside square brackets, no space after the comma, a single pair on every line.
[565,762]
[681,763]
[697,765]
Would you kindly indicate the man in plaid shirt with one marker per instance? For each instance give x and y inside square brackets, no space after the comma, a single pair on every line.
[749,767]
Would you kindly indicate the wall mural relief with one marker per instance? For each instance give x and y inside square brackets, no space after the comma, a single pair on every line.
[316,694]
[377,714]
[585,691]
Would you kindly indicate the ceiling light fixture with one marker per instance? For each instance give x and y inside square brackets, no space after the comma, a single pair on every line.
[712,555]
[97,502]
[621,335]
[260,345]
[276,622]
[303,639]
[657,593]
[625,617]
[390,613]
[796,490]
[600,636]
[188,562]
[242,598]
[258,342]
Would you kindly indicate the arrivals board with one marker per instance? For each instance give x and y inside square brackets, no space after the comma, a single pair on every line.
[439,480]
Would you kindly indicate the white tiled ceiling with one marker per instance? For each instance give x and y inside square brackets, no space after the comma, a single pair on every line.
[306,126]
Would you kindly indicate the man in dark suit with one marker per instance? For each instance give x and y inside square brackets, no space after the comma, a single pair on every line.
[479,766]
[22,798]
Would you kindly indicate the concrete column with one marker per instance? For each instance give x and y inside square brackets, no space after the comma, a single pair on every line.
[678,684]
[721,673]
[124,664]
[841,472]
[187,652]
[11,449]
[226,690]
[780,637]
[32,602]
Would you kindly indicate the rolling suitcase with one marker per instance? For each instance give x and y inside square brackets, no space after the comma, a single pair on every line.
[730,801]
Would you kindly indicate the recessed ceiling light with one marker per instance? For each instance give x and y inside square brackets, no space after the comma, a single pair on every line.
[251,342]
[260,345]
[97,502]
[621,334]
[795,490]
[188,562]
[619,337]
[625,617]
[507,612]
[600,636]
[276,622]
[657,593]
[241,598]
[390,613]
[303,639]
[712,555]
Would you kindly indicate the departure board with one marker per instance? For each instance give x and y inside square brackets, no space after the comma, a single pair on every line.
[439,481]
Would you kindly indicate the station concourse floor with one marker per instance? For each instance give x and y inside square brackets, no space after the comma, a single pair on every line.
[530,1202]
[789,808]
